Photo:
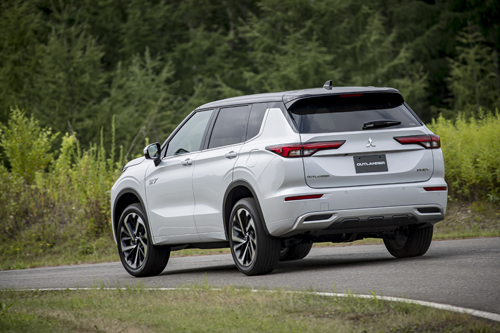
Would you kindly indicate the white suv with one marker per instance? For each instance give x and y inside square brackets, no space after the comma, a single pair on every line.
[268,175]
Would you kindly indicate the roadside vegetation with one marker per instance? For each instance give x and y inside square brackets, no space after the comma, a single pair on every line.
[54,202]
[55,206]
[198,308]
[113,82]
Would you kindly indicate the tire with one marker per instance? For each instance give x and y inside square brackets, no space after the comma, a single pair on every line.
[295,252]
[254,251]
[412,242]
[139,256]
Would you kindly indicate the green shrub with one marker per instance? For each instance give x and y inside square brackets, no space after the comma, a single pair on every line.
[26,145]
[471,148]
[47,201]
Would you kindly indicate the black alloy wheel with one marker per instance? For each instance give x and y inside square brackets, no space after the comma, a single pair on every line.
[254,251]
[138,254]
[244,237]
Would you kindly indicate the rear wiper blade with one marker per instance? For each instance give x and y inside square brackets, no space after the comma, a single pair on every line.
[380,123]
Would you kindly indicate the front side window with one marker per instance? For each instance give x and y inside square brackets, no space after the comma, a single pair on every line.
[188,138]
[230,127]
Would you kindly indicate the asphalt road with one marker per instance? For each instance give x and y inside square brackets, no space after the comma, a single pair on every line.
[463,273]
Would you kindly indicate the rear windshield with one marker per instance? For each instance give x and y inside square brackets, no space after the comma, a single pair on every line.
[355,112]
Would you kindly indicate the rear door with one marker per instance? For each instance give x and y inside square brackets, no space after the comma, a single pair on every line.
[369,124]
[213,170]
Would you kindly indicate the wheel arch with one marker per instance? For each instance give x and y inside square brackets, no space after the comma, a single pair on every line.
[238,190]
[125,197]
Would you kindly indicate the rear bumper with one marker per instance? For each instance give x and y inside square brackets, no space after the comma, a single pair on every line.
[361,208]
[366,219]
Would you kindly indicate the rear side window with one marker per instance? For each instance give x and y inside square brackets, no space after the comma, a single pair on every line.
[255,120]
[352,112]
[230,127]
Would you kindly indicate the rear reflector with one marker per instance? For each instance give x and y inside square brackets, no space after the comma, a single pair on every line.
[438,188]
[427,141]
[318,217]
[303,150]
[304,197]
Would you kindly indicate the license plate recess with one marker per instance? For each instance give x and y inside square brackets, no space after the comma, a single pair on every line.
[370,163]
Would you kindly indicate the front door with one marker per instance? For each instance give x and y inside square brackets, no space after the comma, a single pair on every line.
[169,186]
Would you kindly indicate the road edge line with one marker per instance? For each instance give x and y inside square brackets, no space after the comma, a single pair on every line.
[440,306]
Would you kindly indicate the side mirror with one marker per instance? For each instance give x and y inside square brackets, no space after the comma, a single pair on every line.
[153,152]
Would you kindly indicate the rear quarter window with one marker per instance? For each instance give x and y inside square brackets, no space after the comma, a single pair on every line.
[348,113]
[255,120]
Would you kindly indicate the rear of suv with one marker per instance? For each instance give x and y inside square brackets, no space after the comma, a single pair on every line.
[268,175]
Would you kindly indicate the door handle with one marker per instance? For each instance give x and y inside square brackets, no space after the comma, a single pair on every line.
[231,155]
[187,162]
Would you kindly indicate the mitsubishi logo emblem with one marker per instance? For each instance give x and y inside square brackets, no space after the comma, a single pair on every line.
[370,143]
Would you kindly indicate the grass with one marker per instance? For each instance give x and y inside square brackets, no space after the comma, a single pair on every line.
[198,308]
[480,219]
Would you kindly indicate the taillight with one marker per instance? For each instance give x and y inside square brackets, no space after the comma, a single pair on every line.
[427,141]
[303,150]
[436,188]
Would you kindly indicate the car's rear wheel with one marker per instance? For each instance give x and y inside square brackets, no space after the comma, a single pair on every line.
[295,252]
[410,242]
[254,251]
[138,254]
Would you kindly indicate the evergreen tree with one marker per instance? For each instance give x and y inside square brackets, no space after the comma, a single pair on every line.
[473,77]
[373,58]
[19,54]
[141,100]
[76,63]
[148,25]
[69,82]
[302,44]
[290,47]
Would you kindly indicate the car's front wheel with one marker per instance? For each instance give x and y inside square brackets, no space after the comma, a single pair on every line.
[410,242]
[254,251]
[138,254]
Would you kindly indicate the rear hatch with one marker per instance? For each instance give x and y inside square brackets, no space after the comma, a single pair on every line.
[385,143]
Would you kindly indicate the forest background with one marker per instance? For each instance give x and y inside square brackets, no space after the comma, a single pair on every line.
[109,76]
